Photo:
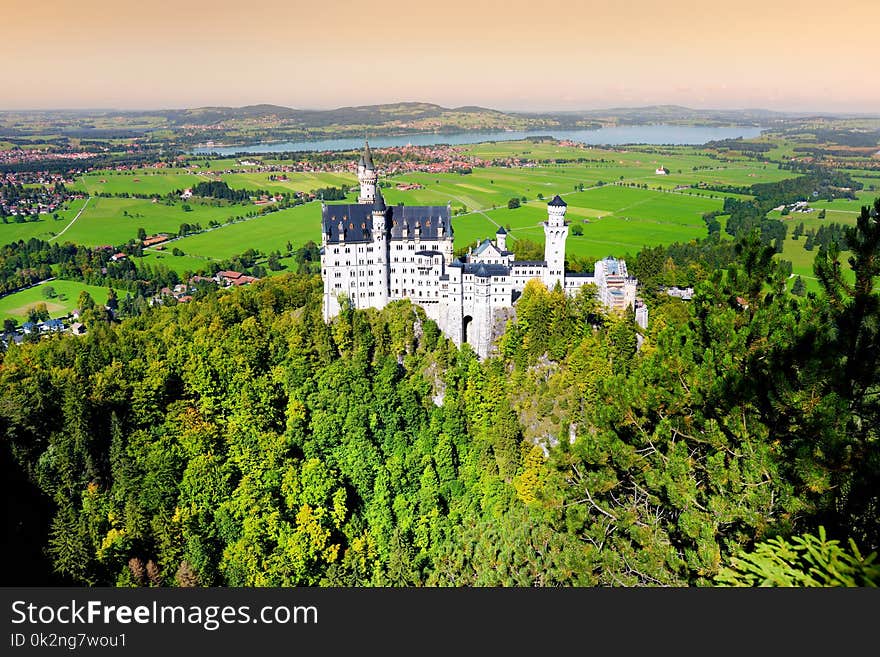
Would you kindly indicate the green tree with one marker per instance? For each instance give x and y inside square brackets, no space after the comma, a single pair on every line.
[804,561]
[38,313]
[85,301]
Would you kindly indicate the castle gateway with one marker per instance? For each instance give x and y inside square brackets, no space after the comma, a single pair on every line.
[373,253]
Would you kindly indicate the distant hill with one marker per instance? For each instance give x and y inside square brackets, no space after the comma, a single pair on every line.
[265,123]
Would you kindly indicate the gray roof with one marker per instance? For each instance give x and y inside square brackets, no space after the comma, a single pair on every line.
[427,217]
[357,221]
[557,200]
[485,244]
[482,269]
[354,219]
[501,231]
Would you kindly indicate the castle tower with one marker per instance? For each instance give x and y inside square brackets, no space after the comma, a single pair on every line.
[555,234]
[501,238]
[367,176]
[378,265]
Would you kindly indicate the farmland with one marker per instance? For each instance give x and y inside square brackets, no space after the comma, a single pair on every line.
[615,195]
[842,211]
[46,228]
[16,306]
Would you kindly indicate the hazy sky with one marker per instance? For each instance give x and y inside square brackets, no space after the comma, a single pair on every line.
[510,54]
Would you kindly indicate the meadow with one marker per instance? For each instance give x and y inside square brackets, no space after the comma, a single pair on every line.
[116,220]
[615,195]
[46,228]
[266,233]
[16,306]
[842,211]
[165,181]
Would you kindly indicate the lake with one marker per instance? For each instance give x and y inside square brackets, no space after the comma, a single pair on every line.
[631,134]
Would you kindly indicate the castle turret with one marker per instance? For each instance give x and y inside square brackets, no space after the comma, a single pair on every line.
[501,238]
[367,176]
[555,234]
[377,266]
[380,210]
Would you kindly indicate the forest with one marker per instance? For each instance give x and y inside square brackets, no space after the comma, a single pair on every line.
[239,440]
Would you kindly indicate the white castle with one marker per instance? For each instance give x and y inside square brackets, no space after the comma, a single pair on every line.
[373,253]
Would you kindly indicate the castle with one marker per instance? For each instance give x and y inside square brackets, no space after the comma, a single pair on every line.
[373,253]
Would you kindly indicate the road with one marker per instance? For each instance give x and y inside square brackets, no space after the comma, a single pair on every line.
[72,221]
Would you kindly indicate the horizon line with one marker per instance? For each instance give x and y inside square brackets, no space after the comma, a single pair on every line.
[790,112]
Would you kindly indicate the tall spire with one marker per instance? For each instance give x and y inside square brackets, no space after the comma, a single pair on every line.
[368,155]
[379,201]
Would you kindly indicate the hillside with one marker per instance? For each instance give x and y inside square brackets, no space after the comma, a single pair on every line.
[239,440]
[251,123]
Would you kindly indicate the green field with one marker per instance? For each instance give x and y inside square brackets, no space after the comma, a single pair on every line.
[297,182]
[45,228]
[842,211]
[16,306]
[180,264]
[105,220]
[140,181]
[164,181]
[266,233]
[617,219]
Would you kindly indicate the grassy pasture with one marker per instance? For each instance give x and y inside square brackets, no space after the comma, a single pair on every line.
[16,306]
[43,229]
[266,233]
[104,220]
[180,264]
[842,211]
[297,182]
[140,181]
[616,219]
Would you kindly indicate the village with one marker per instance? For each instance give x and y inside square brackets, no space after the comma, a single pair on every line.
[33,193]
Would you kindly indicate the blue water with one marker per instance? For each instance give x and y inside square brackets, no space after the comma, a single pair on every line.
[635,134]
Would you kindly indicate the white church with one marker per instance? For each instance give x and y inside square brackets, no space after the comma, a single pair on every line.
[373,253]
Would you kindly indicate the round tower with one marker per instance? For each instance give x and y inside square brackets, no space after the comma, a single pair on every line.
[555,235]
[380,210]
[501,239]
[378,268]
[367,176]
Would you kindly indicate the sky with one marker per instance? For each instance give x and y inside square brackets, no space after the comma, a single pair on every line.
[531,55]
